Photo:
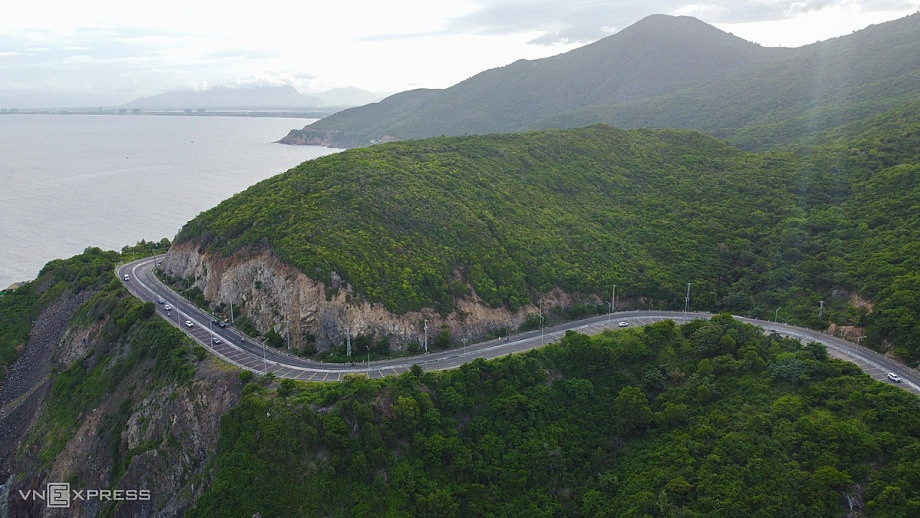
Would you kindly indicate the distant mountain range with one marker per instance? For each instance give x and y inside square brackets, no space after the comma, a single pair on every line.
[255,98]
[663,71]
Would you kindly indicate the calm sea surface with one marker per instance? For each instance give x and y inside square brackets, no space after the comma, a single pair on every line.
[72,181]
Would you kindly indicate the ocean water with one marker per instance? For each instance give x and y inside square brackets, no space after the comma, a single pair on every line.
[72,181]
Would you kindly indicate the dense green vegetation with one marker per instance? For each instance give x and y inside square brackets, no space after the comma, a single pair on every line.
[712,418]
[417,224]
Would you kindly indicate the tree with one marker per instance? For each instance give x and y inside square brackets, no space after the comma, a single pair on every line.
[442,339]
[631,410]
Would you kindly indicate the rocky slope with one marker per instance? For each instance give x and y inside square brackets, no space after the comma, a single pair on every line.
[274,295]
[107,396]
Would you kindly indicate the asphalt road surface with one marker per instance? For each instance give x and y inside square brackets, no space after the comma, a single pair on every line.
[247,353]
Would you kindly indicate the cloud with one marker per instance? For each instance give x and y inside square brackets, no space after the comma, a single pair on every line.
[589,20]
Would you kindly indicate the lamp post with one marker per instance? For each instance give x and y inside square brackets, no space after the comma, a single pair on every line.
[426,336]
[775,315]
[541,321]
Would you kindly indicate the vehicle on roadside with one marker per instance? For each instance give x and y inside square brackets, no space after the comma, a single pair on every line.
[894,377]
[623,324]
[215,321]
[215,340]
[223,324]
[167,307]
[160,300]
[188,323]
[127,278]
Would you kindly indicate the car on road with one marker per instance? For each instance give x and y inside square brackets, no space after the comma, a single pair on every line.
[215,321]
[894,377]
[623,324]
[127,278]
[188,323]
[223,324]
[160,300]
[215,340]
[167,307]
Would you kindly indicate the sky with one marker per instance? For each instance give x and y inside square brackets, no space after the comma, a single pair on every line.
[107,52]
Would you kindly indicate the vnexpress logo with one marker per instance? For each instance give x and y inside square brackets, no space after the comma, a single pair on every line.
[57,495]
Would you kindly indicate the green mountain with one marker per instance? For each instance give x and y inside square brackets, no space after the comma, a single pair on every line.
[506,219]
[664,72]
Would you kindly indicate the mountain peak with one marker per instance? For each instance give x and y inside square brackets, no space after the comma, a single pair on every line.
[663,71]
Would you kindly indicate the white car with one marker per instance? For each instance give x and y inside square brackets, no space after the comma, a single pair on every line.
[188,323]
[215,341]
[127,278]
[167,307]
[894,377]
[623,324]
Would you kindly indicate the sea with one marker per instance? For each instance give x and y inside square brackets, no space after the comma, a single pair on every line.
[68,182]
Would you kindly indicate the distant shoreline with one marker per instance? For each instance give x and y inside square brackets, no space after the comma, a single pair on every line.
[317,113]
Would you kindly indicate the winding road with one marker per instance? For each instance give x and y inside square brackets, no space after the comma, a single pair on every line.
[247,353]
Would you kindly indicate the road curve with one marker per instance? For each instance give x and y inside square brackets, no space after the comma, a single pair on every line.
[247,353]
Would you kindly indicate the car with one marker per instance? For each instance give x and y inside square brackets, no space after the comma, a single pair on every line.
[127,278]
[215,321]
[215,340]
[223,324]
[188,323]
[894,377]
[160,300]
[623,324]
[167,307]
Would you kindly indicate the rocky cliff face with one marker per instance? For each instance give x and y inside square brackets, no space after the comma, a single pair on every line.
[274,295]
[140,435]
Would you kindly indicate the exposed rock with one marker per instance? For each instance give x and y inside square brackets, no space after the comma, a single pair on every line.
[162,434]
[274,295]
[26,384]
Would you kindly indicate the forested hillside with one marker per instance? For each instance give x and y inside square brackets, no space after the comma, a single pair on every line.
[712,418]
[510,217]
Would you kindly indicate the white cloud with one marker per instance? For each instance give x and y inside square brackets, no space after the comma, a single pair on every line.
[379,46]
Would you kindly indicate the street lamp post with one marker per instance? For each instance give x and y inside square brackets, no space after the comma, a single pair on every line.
[613,300]
[541,321]
[776,315]
[348,341]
